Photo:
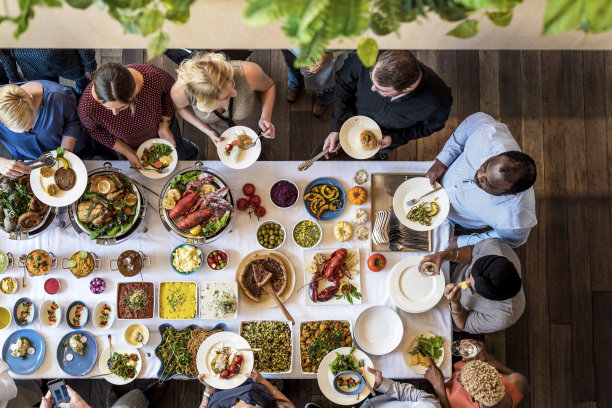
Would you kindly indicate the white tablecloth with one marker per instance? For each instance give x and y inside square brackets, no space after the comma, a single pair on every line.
[158,244]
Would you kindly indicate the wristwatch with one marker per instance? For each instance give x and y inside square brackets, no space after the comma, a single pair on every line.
[452,311]
[207,394]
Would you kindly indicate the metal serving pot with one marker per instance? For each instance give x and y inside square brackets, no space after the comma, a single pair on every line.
[140,212]
[170,224]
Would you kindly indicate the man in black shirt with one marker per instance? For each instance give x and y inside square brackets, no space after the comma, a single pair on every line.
[406,98]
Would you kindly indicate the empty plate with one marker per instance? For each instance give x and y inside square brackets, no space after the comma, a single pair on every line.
[378,330]
[411,291]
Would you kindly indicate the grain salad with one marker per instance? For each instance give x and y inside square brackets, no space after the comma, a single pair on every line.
[275,340]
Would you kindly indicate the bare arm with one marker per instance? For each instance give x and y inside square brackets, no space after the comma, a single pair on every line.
[259,81]
[184,109]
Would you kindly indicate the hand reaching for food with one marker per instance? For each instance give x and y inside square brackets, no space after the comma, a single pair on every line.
[378,377]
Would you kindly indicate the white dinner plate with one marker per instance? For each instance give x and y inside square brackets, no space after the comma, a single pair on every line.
[205,356]
[411,291]
[410,344]
[325,378]
[103,367]
[247,157]
[349,136]
[378,330]
[62,198]
[414,188]
[150,171]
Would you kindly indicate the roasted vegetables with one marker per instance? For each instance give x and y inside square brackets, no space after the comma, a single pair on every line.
[324,197]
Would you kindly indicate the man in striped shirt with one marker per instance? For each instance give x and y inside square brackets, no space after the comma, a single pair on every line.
[488,181]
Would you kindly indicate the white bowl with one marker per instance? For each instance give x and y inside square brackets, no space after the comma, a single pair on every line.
[282,229]
[96,315]
[297,198]
[10,317]
[320,235]
[148,336]
[44,316]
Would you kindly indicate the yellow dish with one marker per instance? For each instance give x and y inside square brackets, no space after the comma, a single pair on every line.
[177,300]
[132,332]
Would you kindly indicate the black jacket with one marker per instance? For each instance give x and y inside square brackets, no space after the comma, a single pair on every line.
[417,114]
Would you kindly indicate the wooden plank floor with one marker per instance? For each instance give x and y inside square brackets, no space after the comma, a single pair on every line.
[558,105]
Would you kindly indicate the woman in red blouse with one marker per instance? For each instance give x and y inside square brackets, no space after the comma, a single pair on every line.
[127,105]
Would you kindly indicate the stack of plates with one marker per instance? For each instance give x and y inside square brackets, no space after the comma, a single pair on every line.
[411,291]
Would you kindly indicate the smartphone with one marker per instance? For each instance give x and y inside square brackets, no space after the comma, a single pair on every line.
[59,392]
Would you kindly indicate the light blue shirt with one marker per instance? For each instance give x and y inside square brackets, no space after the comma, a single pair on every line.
[478,138]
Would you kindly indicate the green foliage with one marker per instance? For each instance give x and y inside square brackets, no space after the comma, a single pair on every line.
[466,29]
[367,50]
[157,44]
[591,16]
[500,18]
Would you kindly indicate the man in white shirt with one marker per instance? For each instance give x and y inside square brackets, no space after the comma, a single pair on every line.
[488,181]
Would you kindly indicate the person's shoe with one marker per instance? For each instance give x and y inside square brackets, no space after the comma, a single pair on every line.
[113,395]
[319,109]
[381,156]
[155,391]
[312,405]
[293,95]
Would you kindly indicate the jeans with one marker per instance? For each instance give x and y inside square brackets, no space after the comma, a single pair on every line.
[133,399]
[185,148]
[296,79]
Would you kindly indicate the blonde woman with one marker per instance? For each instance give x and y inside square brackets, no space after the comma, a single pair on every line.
[480,382]
[36,117]
[211,90]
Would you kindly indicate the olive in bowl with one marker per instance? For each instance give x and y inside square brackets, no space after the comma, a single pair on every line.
[217,260]
[271,235]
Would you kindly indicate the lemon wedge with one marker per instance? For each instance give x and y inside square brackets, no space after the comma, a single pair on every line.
[104,186]
[64,162]
[195,230]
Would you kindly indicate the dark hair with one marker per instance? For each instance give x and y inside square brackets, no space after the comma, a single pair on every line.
[521,171]
[114,83]
[398,69]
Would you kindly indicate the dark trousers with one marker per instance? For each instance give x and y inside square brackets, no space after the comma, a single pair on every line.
[185,148]
[79,78]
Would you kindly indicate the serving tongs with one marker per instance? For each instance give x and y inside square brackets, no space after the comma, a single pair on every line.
[304,166]
[160,171]
[45,159]
[164,376]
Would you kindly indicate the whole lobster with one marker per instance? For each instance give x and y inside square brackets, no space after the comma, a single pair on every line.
[193,219]
[333,270]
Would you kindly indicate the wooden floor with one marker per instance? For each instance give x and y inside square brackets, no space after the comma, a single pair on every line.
[558,106]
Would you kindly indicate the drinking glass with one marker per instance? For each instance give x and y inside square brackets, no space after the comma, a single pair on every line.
[464,348]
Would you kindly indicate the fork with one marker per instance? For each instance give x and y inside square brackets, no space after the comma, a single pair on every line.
[250,145]
[416,200]
[304,166]
[362,372]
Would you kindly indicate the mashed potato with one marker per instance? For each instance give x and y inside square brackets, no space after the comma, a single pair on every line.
[166,160]
[187,258]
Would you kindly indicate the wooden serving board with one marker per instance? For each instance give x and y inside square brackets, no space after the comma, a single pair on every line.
[383,188]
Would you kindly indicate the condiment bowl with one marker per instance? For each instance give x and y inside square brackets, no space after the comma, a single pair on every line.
[226,260]
[202,260]
[349,375]
[17,312]
[70,314]
[7,283]
[4,313]
[270,222]
[293,232]
[136,326]
[297,197]
[44,315]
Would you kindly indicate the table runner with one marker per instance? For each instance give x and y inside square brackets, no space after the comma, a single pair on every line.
[158,243]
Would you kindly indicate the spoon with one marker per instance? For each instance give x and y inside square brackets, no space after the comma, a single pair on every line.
[139,339]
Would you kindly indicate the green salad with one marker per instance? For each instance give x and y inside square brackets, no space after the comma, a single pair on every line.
[343,362]
[429,346]
[123,364]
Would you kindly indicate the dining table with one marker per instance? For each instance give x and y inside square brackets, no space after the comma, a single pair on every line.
[157,243]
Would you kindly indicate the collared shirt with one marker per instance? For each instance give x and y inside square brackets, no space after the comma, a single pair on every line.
[486,315]
[478,138]
[47,62]
[56,117]
[401,395]
[412,116]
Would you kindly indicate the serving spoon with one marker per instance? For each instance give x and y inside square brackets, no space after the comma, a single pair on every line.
[139,340]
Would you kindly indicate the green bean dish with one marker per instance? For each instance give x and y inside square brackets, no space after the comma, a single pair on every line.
[423,213]
[275,340]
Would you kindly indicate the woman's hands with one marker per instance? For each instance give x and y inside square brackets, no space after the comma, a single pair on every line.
[13,168]
[163,130]
[75,400]
[378,377]
[267,128]
[434,375]
[131,156]
[208,388]
[254,374]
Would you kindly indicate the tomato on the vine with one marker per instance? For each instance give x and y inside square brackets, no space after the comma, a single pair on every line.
[224,374]
[242,204]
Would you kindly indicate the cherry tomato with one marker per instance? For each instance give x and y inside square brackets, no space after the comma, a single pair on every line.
[224,374]
[248,189]
[376,262]
[158,165]
[237,358]
[254,200]
[234,368]
[260,211]
[228,147]
[242,204]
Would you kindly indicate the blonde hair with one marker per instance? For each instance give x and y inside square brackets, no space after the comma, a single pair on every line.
[16,109]
[483,382]
[204,77]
